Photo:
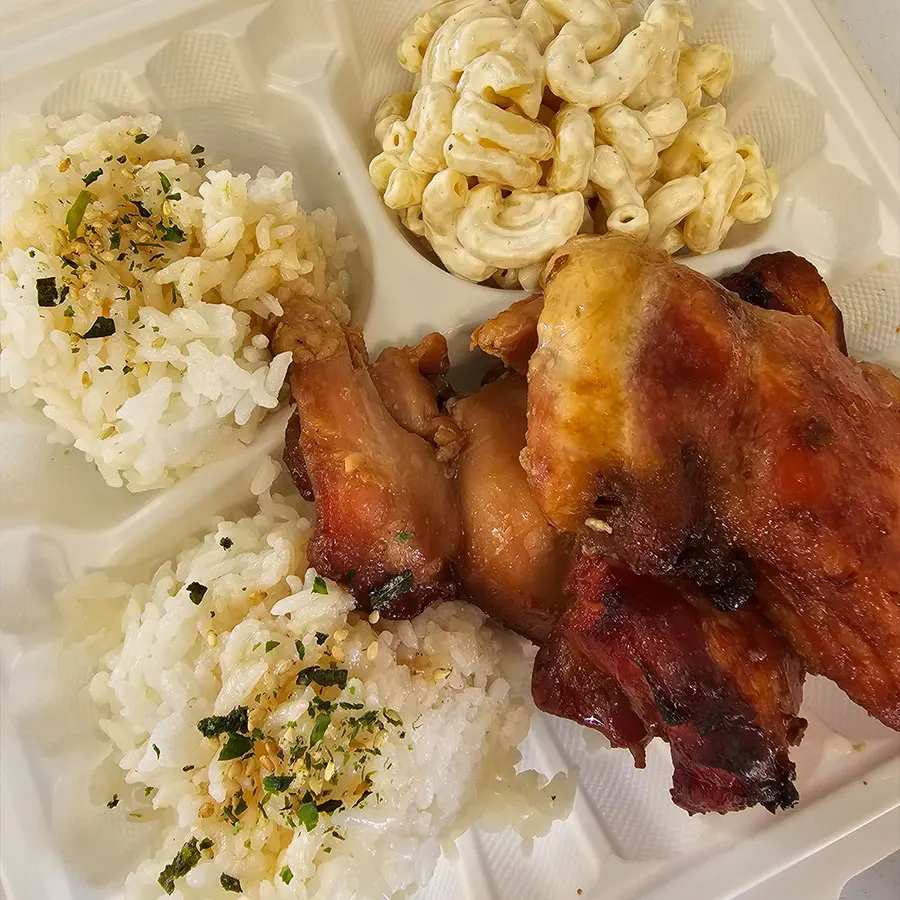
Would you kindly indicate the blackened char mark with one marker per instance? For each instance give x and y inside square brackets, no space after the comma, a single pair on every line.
[708,558]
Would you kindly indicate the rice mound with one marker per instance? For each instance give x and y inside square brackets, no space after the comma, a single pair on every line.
[346,789]
[135,283]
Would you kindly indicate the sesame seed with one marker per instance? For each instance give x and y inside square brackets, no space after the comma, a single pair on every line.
[337,652]
[372,651]
[374,616]
[441,674]
[212,638]
[598,525]
[341,635]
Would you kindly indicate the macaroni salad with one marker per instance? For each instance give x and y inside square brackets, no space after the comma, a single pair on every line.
[536,120]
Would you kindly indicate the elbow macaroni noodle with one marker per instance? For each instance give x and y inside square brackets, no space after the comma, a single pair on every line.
[495,173]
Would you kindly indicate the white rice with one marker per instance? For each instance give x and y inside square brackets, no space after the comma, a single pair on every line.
[188,277]
[445,696]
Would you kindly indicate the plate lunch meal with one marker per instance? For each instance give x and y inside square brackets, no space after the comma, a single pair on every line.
[450,451]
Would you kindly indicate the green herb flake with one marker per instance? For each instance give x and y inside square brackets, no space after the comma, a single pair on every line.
[166,184]
[394,587]
[320,586]
[140,138]
[127,369]
[91,177]
[122,159]
[301,650]
[69,262]
[76,212]
[144,212]
[187,768]
[404,537]
[173,234]
[201,162]
[323,677]
[330,806]
[175,196]
[232,885]
[321,637]
[115,239]
[197,148]
[205,844]
[308,815]
[103,327]
[271,645]
[235,721]
[185,860]
[286,875]
[197,592]
[114,802]
[241,806]
[105,369]
[236,746]
[226,543]
[155,750]
[277,784]
[47,292]
[323,720]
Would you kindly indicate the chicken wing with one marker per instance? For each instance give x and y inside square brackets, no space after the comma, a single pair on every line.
[692,434]
[412,383]
[387,516]
[512,334]
[512,562]
[791,284]
[721,688]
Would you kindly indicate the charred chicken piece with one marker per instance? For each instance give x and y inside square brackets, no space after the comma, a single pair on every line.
[512,562]
[387,517]
[789,283]
[692,433]
[721,688]
[512,334]
[567,684]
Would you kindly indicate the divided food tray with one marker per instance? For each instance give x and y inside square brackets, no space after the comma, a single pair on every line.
[293,85]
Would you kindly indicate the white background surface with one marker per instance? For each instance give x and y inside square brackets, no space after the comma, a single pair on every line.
[871,30]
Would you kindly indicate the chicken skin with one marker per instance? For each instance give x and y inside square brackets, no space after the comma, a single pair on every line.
[512,562]
[789,283]
[412,383]
[387,515]
[720,688]
[690,434]
[512,334]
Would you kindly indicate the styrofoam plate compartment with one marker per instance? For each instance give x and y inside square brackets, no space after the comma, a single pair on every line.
[292,85]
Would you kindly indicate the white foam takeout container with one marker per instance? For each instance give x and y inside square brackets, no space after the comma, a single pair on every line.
[292,85]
